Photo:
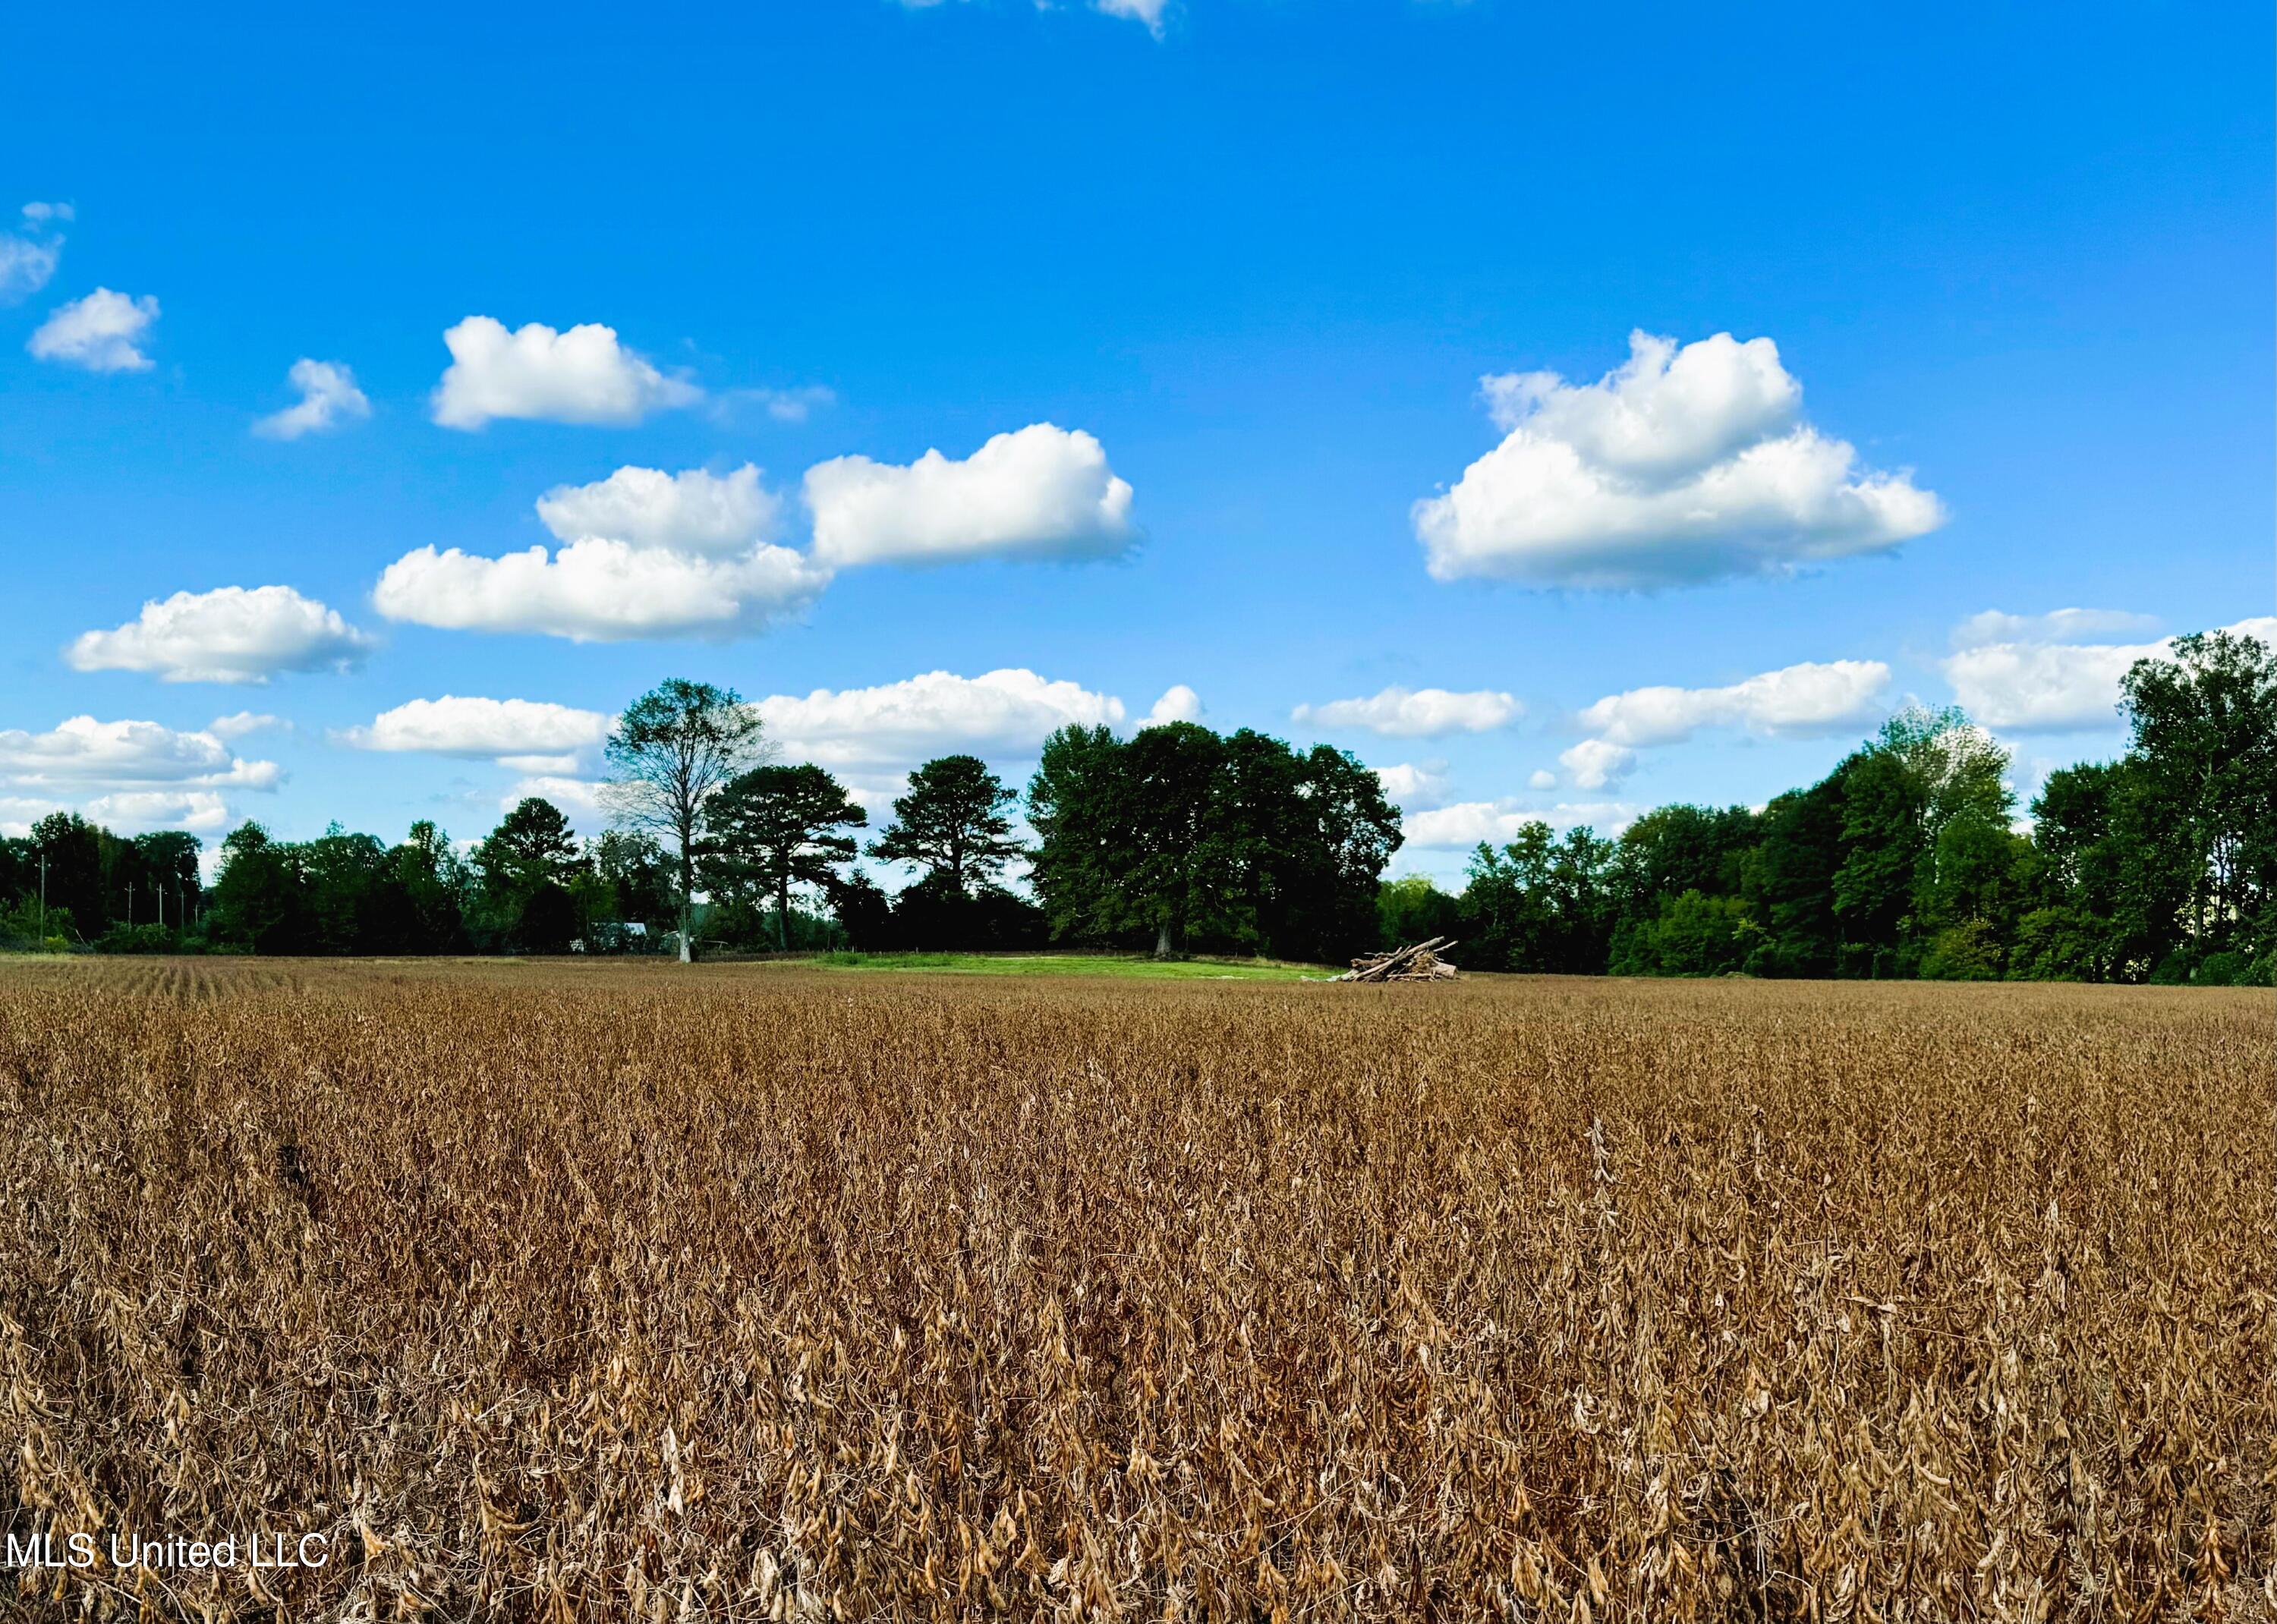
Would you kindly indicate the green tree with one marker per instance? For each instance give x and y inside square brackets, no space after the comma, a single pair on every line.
[532,844]
[76,888]
[669,753]
[259,900]
[1925,770]
[350,904]
[1540,905]
[1178,859]
[167,860]
[774,827]
[951,824]
[524,869]
[1322,900]
[1412,908]
[1080,847]
[863,912]
[433,882]
[1179,836]
[1693,934]
[634,878]
[1788,880]
[2204,745]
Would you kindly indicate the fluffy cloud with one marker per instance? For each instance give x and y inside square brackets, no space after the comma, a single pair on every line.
[2005,677]
[1041,492]
[1464,825]
[581,800]
[1178,703]
[712,514]
[582,376]
[598,590]
[1412,786]
[329,398]
[1794,701]
[648,554]
[229,634]
[533,736]
[238,723]
[1005,712]
[128,812]
[1417,713]
[1683,465]
[1541,777]
[1596,764]
[29,253]
[84,755]
[102,332]
[199,811]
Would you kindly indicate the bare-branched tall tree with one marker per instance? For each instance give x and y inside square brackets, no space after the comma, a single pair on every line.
[672,748]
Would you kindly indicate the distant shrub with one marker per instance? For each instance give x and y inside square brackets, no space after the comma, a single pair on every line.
[1969,951]
[1695,934]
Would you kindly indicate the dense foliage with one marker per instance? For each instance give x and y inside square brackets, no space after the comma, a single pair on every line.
[1907,860]
[1179,838]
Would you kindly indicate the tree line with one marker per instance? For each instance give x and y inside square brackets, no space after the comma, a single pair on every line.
[1907,860]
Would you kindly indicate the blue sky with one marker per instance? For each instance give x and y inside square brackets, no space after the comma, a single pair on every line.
[1251,260]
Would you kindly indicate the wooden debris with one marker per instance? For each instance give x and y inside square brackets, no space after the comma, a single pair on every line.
[1418,962]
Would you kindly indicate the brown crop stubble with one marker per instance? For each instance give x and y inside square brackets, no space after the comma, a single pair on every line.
[610,1293]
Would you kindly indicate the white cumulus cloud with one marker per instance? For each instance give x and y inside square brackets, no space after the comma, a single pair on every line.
[1597,763]
[1041,492]
[535,736]
[1793,701]
[1178,703]
[104,332]
[84,755]
[647,554]
[598,590]
[127,812]
[1464,825]
[329,398]
[582,800]
[584,376]
[2020,683]
[692,512]
[1413,786]
[1683,465]
[29,253]
[1414,713]
[1002,712]
[238,723]
[229,635]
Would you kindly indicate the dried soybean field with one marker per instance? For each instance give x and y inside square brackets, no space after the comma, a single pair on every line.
[607,1292]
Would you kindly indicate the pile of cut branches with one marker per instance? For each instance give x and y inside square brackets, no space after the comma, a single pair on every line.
[1419,962]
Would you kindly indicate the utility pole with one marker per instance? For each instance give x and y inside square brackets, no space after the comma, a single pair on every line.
[130,905]
[43,895]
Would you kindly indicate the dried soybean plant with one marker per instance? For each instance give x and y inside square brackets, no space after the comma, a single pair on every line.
[602,1292]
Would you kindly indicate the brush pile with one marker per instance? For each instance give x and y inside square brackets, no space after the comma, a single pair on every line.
[1418,962]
